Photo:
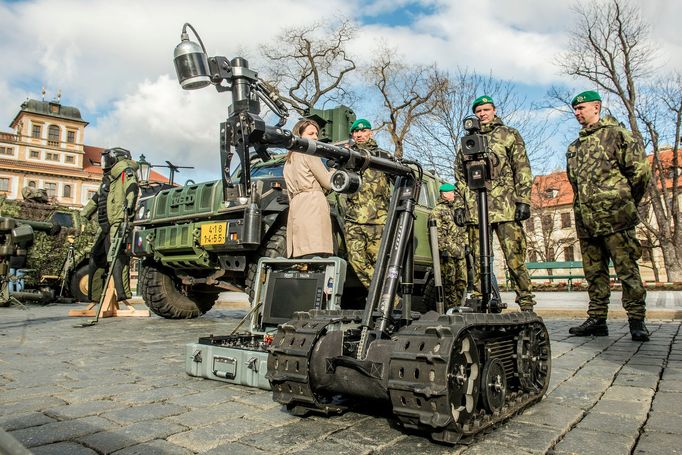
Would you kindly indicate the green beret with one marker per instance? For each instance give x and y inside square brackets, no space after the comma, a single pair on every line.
[360,124]
[445,187]
[584,97]
[485,99]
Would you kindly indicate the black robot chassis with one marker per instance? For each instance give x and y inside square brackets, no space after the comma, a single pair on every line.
[449,375]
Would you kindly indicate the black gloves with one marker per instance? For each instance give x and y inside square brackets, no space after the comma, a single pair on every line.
[460,218]
[522,211]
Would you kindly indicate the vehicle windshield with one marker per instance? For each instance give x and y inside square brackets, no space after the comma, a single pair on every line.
[260,170]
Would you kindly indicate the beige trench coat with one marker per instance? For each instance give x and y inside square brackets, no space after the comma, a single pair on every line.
[309,226]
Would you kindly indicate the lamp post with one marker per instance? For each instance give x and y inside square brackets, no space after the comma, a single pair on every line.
[144,171]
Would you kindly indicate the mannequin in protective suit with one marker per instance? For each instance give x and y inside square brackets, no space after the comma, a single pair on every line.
[115,198]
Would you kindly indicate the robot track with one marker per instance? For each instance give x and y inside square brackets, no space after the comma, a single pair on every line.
[451,376]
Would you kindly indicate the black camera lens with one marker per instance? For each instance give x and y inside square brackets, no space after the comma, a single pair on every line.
[469,144]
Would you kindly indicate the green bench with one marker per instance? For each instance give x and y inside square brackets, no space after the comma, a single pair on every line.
[570,270]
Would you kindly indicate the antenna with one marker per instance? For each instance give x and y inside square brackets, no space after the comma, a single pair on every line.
[42,92]
[59,95]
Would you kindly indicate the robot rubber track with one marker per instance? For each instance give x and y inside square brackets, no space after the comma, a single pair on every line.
[448,375]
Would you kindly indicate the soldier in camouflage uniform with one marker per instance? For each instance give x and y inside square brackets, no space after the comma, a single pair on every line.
[116,195]
[609,174]
[508,198]
[367,209]
[451,242]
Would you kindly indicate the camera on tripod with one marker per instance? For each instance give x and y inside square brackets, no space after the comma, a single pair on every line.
[475,154]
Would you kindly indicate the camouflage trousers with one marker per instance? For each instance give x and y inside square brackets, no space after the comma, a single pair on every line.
[454,277]
[99,267]
[513,243]
[623,249]
[362,243]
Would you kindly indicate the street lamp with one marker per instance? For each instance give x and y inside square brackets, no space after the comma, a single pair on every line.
[145,170]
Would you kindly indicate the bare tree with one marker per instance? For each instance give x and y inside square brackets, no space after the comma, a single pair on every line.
[610,47]
[307,64]
[408,92]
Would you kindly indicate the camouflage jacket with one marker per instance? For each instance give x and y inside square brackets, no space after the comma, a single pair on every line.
[609,174]
[511,175]
[451,238]
[369,205]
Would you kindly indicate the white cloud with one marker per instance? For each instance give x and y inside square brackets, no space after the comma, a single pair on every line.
[113,60]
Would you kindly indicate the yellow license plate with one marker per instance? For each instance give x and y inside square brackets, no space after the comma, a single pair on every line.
[213,234]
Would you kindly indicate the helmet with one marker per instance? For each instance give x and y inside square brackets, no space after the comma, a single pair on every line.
[112,156]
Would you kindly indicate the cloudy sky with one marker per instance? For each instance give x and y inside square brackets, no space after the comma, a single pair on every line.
[113,59]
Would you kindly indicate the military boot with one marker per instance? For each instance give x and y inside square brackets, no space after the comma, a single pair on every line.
[638,330]
[592,326]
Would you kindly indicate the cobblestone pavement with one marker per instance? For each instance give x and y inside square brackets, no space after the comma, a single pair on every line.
[120,387]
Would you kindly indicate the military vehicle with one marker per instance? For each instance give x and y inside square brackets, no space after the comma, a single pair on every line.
[55,262]
[449,375]
[194,245]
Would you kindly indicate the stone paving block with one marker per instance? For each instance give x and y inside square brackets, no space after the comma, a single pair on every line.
[667,402]
[29,405]
[625,393]
[334,446]
[97,392]
[121,437]
[642,369]
[377,434]
[636,380]
[296,434]
[60,431]
[584,441]
[667,385]
[561,417]
[612,423]
[627,408]
[277,417]
[522,436]
[208,437]
[207,398]
[88,408]
[416,445]
[664,422]
[658,443]
[155,447]
[486,448]
[62,448]
[235,448]
[202,416]
[144,412]
[261,399]
[153,395]
[23,392]
[18,421]
[646,360]
[574,395]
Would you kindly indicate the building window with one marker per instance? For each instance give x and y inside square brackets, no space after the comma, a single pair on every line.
[51,189]
[69,159]
[66,192]
[91,194]
[547,222]
[71,137]
[4,184]
[565,220]
[51,156]
[31,183]
[569,255]
[35,154]
[53,134]
[7,151]
[37,131]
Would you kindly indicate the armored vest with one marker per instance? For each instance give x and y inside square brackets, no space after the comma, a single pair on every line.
[102,218]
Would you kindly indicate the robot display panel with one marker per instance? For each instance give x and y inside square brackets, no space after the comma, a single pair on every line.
[289,292]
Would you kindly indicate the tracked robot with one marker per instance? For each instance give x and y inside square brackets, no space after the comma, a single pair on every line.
[450,375]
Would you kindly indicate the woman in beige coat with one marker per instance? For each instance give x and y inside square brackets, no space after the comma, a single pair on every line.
[309,226]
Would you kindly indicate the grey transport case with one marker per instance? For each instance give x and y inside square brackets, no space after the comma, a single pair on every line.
[282,287]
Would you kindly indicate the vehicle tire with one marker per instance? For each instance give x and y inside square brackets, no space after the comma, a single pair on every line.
[78,284]
[162,294]
[275,247]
